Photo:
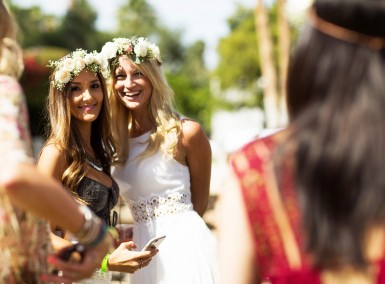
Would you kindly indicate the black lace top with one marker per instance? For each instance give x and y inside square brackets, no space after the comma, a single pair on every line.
[100,199]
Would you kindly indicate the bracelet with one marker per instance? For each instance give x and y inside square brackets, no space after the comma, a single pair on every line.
[104,267]
[88,216]
[93,231]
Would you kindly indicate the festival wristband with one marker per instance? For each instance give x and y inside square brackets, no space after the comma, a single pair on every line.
[104,267]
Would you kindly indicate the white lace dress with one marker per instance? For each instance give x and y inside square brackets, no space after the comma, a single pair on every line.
[157,190]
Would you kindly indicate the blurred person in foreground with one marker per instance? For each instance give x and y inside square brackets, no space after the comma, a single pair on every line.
[306,205]
[28,199]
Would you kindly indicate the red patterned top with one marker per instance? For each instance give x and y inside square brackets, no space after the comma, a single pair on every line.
[275,217]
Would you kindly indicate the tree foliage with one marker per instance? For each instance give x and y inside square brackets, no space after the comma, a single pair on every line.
[137,17]
[78,26]
[239,63]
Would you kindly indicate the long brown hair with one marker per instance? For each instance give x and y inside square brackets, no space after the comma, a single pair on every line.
[336,99]
[64,134]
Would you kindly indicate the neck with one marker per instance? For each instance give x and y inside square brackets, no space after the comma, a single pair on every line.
[140,124]
[84,131]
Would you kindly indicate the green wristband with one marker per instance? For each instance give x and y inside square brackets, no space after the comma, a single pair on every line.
[104,267]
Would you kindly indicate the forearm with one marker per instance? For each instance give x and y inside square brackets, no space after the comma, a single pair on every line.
[200,205]
[34,192]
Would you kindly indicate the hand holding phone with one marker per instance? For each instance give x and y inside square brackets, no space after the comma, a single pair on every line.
[154,242]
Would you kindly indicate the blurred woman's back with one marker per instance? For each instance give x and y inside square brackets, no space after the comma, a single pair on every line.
[314,194]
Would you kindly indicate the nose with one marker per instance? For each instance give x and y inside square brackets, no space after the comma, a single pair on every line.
[129,82]
[87,94]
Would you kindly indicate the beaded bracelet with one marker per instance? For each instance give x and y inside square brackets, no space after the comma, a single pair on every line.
[104,267]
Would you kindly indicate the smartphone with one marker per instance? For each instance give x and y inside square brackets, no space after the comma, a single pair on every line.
[154,242]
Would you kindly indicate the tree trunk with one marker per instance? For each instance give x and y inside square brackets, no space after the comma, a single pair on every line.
[284,48]
[274,102]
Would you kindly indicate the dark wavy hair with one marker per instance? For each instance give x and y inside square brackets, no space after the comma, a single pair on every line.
[336,102]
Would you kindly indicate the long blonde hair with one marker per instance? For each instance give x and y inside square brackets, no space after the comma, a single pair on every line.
[162,113]
[11,58]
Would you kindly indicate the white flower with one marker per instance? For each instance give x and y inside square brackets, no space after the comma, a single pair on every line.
[156,52]
[141,48]
[89,59]
[80,64]
[102,59]
[68,64]
[62,76]
[110,49]
[138,49]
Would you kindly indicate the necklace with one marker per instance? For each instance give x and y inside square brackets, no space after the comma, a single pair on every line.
[94,163]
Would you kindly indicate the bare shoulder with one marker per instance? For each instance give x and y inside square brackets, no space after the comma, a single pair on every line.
[193,136]
[51,154]
[52,161]
[51,150]
[191,130]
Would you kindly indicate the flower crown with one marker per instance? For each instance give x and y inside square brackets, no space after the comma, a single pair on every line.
[139,49]
[72,64]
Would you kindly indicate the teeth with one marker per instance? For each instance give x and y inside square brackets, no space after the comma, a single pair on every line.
[132,94]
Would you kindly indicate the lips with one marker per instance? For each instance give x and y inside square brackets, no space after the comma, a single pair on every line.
[87,107]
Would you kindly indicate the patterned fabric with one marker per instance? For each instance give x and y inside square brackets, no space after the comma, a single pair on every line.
[277,262]
[160,206]
[249,165]
[100,199]
[24,239]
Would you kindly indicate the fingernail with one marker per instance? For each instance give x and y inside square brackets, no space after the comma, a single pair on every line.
[52,260]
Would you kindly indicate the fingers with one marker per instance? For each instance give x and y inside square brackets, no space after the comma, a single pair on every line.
[146,262]
[129,245]
[73,271]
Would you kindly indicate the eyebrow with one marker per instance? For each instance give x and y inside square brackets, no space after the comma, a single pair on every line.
[80,83]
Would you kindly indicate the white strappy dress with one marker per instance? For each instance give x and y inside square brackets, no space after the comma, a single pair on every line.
[157,190]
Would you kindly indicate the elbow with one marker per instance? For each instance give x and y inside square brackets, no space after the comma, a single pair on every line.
[201,208]
[11,179]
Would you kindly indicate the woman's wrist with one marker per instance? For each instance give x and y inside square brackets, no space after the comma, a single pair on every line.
[93,231]
[104,266]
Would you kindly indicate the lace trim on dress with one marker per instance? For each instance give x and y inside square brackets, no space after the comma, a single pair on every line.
[160,206]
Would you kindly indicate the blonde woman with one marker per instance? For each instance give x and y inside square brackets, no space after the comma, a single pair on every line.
[163,166]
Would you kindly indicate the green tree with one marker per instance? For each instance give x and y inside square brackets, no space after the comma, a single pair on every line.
[191,86]
[34,26]
[78,27]
[136,17]
[239,63]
